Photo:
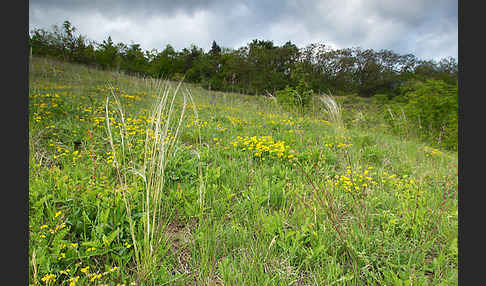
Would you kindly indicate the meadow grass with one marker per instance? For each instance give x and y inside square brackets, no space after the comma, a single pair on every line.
[242,193]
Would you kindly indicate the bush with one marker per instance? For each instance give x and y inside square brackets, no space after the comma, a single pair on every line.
[295,97]
[432,107]
[381,98]
[177,77]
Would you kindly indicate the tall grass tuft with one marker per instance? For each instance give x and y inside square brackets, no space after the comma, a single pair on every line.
[333,110]
[160,145]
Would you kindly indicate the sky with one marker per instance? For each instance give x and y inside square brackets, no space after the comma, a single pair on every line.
[428,29]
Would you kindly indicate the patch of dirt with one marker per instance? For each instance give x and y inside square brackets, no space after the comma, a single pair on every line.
[180,236]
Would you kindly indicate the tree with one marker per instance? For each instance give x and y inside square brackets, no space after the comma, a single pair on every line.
[134,60]
[263,65]
[188,62]
[43,43]
[84,51]
[167,63]
[107,54]
[254,68]
[215,50]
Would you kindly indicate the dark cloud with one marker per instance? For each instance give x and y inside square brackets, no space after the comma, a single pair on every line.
[113,8]
[427,29]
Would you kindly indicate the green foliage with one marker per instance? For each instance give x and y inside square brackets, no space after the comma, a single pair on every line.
[133,60]
[434,104]
[429,108]
[108,55]
[257,68]
[177,76]
[297,97]
[381,98]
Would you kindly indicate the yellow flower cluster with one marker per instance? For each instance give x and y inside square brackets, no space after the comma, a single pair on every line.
[65,272]
[86,109]
[44,107]
[135,125]
[53,86]
[45,230]
[237,121]
[197,123]
[220,128]
[99,120]
[134,97]
[338,142]
[57,228]
[110,157]
[268,115]
[64,87]
[288,122]
[344,145]
[399,184]
[85,270]
[64,152]
[37,117]
[76,156]
[47,95]
[72,281]
[432,152]
[356,180]
[217,141]
[48,278]
[264,146]
[95,276]
[128,96]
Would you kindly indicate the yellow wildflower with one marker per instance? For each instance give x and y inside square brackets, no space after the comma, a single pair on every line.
[73,281]
[85,269]
[95,276]
[49,278]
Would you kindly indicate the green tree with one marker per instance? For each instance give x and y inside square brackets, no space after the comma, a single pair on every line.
[167,63]
[134,60]
[43,43]
[189,57]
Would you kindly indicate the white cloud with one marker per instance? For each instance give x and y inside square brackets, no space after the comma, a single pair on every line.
[427,29]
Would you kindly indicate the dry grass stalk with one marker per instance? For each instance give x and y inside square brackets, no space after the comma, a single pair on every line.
[333,110]
[160,144]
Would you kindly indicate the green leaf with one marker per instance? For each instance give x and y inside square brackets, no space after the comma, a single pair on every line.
[91,243]
[107,240]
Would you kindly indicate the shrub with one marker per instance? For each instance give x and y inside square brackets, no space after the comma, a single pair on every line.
[381,98]
[177,77]
[432,107]
[295,97]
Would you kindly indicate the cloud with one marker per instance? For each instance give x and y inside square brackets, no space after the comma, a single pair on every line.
[427,29]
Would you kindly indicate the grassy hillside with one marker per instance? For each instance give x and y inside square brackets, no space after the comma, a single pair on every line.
[236,191]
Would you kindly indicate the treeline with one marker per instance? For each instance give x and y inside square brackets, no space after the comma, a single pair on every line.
[257,68]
